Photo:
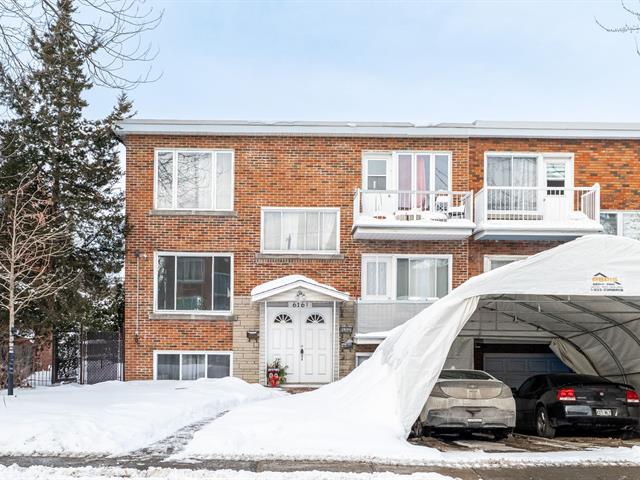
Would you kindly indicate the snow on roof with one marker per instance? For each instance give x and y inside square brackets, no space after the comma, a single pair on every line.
[290,282]
[478,128]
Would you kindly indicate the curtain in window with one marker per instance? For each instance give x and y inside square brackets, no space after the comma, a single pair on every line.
[312,231]
[376,281]
[224,180]
[442,277]
[498,175]
[192,366]
[272,231]
[423,181]
[293,225]
[168,367]
[421,277]
[525,174]
[404,181]
[329,233]
[194,180]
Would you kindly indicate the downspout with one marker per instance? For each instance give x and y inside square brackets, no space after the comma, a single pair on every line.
[137,331]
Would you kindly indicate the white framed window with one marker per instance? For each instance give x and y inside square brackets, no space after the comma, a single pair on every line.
[300,230]
[190,179]
[193,283]
[621,222]
[361,357]
[407,171]
[412,278]
[515,178]
[491,262]
[191,364]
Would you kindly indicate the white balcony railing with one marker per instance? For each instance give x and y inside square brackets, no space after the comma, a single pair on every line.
[399,205]
[538,204]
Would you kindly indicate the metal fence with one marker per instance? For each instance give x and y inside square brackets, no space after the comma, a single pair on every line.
[85,357]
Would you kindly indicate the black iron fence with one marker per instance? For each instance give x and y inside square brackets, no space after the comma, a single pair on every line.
[86,357]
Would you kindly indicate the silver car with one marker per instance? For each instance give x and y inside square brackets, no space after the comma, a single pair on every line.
[468,401]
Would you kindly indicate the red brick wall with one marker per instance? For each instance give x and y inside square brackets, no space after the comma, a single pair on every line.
[317,172]
[269,171]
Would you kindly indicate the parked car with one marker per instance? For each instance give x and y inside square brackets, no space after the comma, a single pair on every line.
[551,401]
[464,401]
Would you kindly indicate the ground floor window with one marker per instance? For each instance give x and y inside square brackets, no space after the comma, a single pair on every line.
[417,278]
[361,357]
[191,365]
[626,223]
[491,262]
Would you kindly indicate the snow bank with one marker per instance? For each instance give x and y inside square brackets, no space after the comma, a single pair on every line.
[111,473]
[113,417]
[368,414]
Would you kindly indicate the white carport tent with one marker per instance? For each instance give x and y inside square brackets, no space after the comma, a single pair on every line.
[380,400]
[558,291]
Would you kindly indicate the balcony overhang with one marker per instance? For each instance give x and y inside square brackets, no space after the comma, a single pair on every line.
[373,229]
[523,230]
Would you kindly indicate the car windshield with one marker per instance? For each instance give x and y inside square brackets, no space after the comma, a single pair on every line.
[463,375]
[569,379]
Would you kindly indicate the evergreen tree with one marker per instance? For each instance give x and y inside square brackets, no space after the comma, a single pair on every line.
[46,128]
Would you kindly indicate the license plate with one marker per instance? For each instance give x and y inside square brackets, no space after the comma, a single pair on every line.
[474,420]
[603,412]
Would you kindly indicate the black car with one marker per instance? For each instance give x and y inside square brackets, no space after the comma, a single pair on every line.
[545,403]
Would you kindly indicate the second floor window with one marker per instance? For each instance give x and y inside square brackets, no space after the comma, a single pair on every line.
[407,278]
[299,230]
[194,179]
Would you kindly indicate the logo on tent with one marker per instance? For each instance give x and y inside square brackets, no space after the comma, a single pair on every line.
[604,283]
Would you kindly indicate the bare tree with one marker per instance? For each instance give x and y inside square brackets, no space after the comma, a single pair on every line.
[111,30]
[33,236]
[632,28]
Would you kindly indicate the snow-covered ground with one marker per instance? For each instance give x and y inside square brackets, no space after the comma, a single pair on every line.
[113,417]
[110,473]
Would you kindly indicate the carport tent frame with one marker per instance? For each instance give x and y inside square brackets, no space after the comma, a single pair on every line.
[573,319]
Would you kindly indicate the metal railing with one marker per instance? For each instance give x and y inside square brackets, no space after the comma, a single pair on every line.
[544,204]
[413,205]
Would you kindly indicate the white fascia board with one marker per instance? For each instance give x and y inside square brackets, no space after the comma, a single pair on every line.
[329,292]
[557,130]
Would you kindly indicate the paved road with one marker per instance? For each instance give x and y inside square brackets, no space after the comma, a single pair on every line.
[528,473]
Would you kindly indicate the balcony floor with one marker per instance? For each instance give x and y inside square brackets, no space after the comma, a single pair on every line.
[535,229]
[368,228]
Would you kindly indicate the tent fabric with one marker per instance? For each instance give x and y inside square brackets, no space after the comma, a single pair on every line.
[381,398]
[598,266]
[572,357]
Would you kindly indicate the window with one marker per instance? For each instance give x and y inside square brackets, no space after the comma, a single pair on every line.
[361,357]
[188,365]
[193,282]
[491,262]
[376,172]
[194,179]
[625,223]
[423,171]
[406,278]
[298,230]
[512,171]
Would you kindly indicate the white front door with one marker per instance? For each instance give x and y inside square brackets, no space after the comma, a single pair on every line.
[302,339]
[558,198]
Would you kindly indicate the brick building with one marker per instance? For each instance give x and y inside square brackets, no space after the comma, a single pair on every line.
[308,241]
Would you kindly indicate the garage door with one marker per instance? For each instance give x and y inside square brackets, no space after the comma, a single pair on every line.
[515,368]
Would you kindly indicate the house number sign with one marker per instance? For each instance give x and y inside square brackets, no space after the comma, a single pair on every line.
[299,304]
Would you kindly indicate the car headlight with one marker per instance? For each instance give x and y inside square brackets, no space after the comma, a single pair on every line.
[438,392]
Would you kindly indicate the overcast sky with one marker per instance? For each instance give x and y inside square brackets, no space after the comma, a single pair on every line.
[420,61]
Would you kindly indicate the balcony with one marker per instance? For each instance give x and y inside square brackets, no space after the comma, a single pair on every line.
[537,213]
[412,215]
[372,317]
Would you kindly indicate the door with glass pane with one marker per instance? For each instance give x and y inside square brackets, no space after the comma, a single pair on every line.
[284,340]
[558,196]
[419,174]
[512,182]
[377,199]
[315,359]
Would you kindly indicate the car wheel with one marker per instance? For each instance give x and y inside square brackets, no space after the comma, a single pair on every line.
[543,424]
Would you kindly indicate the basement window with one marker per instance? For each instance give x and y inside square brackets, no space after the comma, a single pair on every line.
[625,223]
[191,365]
